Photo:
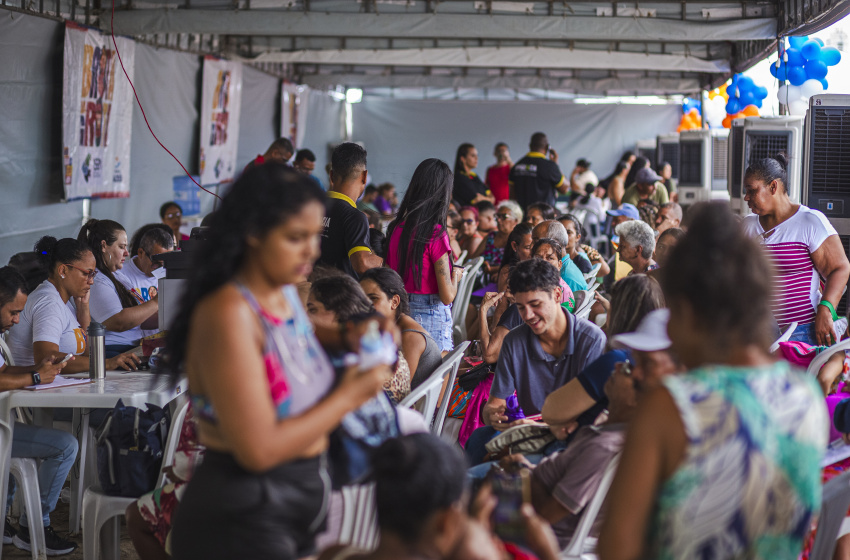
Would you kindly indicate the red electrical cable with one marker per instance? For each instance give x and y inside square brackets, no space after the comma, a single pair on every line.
[115,44]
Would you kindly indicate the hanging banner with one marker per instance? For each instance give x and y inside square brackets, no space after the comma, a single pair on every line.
[221,104]
[97,114]
[293,112]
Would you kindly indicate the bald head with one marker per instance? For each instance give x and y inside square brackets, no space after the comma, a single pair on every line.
[552,229]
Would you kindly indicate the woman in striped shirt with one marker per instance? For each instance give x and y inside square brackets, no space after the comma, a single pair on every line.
[810,267]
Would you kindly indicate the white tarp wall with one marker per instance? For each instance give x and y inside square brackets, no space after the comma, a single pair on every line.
[400,133]
[168,83]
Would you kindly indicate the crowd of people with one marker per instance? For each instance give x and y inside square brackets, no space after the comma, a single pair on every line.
[669,378]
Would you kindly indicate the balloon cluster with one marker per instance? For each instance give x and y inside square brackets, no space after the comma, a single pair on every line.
[691,118]
[804,64]
[745,99]
[715,107]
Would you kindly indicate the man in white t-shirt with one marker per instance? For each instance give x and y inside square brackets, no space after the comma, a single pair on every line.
[582,179]
[141,274]
[56,449]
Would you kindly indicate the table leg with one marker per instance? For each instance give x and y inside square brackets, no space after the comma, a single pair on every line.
[80,425]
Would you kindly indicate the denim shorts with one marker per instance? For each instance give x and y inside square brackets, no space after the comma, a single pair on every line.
[435,317]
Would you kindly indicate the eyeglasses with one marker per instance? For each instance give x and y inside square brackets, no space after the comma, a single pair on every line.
[468,222]
[504,216]
[89,274]
[171,215]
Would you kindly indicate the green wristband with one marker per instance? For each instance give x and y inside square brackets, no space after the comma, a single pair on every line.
[831,308]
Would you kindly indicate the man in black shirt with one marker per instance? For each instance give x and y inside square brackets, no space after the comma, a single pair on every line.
[535,178]
[345,240]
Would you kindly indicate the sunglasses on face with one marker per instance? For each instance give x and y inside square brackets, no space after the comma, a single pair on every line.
[468,222]
[89,274]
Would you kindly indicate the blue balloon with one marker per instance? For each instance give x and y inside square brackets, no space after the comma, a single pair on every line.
[772,68]
[830,56]
[747,98]
[733,106]
[760,93]
[811,50]
[745,83]
[816,70]
[818,41]
[796,75]
[795,57]
[797,42]
[758,103]
[825,84]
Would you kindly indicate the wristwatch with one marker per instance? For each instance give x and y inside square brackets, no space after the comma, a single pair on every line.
[36,378]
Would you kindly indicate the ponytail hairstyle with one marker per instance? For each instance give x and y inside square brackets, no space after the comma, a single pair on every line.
[771,169]
[510,258]
[54,252]
[424,207]
[93,234]
[462,150]
[263,198]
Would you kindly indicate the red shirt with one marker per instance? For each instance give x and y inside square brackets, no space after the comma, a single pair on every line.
[497,180]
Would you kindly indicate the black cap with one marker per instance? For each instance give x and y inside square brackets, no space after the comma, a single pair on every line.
[583,163]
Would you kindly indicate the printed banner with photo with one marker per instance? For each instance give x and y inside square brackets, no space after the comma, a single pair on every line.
[97,114]
[221,103]
[293,113]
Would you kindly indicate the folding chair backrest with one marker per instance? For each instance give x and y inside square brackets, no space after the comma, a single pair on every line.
[173,439]
[590,277]
[577,545]
[461,302]
[783,337]
[462,257]
[428,392]
[359,526]
[7,354]
[836,499]
[451,363]
[822,358]
[583,311]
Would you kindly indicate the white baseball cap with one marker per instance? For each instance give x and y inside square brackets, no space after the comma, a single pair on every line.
[650,336]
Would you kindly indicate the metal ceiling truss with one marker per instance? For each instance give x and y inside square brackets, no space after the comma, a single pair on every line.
[592,46]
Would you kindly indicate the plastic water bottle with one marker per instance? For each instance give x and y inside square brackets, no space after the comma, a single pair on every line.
[376,348]
[97,350]
[512,409]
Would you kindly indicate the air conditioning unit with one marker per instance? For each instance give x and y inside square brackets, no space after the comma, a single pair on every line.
[826,171]
[767,136]
[735,167]
[703,156]
[667,149]
[648,149]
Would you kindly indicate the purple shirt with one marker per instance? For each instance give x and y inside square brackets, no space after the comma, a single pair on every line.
[383,205]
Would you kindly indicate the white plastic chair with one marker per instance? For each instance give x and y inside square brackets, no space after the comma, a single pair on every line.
[590,277]
[581,546]
[359,526]
[100,509]
[582,310]
[462,257]
[450,365]
[7,354]
[25,472]
[822,358]
[783,337]
[461,302]
[429,391]
[836,499]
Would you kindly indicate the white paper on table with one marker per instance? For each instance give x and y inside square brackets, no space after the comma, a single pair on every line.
[58,381]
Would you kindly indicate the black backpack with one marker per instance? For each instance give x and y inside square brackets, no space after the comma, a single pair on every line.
[130,445]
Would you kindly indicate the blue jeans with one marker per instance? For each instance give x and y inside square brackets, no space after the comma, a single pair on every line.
[57,450]
[804,333]
[435,317]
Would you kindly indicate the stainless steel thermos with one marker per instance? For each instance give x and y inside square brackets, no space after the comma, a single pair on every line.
[97,350]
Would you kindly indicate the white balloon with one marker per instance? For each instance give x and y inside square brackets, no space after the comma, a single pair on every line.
[715,112]
[794,92]
[783,94]
[798,107]
[811,87]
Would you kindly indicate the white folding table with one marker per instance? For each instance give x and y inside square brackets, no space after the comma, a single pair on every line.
[133,388]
